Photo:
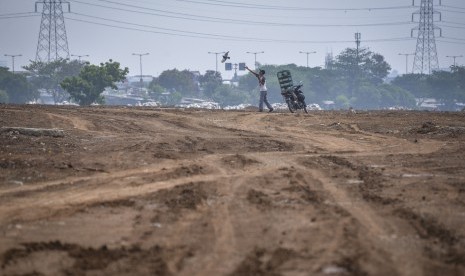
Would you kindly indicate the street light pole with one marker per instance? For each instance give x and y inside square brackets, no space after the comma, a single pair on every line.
[454,57]
[216,54]
[406,61]
[308,53]
[140,62]
[255,54]
[79,57]
[13,60]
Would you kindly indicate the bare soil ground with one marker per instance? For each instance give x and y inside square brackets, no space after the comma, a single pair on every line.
[147,191]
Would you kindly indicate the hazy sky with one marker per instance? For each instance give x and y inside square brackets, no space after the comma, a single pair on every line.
[180,33]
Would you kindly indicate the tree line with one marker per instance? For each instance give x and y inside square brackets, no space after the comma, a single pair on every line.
[354,78]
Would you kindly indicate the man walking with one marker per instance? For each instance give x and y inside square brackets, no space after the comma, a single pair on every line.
[262,84]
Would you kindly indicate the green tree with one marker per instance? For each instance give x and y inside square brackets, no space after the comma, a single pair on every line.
[155,90]
[364,64]
[323,85]
[360,73]
[414,83]
[447,87]
[370,96]
[49,75]
[367,96]
[174,98]
[210,81]
[180,81]
[375,67]
[16,86]
[459,75]
[87,87]
[342,101]
[229,95]
[248,82]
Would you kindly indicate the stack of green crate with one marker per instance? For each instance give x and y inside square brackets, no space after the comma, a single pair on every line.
[285,80]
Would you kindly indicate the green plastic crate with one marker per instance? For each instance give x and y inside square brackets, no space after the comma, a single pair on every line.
[285,79]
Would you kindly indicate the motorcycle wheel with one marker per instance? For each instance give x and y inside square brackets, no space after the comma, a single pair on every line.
[305,106]
[290,105]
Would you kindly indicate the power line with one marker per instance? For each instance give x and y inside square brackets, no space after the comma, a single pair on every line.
[452,38]
[186,33]
[201,18]
[274,7]
[450,22]
[449,26]
[17,13]
[133,29]
[165,11]
[444,10]
[204,18]
[192,35]
[453,7]
[212,36]
[234,21]
[159,28]
[451,42]
[23,16]
[205,34]
[281,15]
[209,35]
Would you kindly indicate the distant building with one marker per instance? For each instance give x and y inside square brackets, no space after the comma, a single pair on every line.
[196,75]
[329,61]
[394,74]
[135,80]
[428,103]
[447,69]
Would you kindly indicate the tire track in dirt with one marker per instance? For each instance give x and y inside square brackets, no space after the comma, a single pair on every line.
[341,238]
[378,228]
[375,224]
[91,189]
[347,138]
[224,239]
[367,221]
[75,121]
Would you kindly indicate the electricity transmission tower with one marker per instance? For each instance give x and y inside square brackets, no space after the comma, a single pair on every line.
[426,56]
[53,43]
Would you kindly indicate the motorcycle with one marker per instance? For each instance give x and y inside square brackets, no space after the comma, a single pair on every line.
[294,98]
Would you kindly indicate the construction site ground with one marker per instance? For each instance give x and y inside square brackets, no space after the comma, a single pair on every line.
[158,191]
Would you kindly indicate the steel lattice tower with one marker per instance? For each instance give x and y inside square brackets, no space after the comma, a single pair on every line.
[53,43]
[426,56]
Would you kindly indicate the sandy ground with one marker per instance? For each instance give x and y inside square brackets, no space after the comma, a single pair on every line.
[147,191]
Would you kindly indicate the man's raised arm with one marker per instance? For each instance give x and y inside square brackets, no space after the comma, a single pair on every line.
[256,75]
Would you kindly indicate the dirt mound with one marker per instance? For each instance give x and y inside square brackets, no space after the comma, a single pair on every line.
[433,129]
[187,196]
[261,262]
[85,260]
[238,161]
[258,198]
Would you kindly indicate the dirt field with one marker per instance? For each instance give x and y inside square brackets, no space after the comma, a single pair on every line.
[149,191]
